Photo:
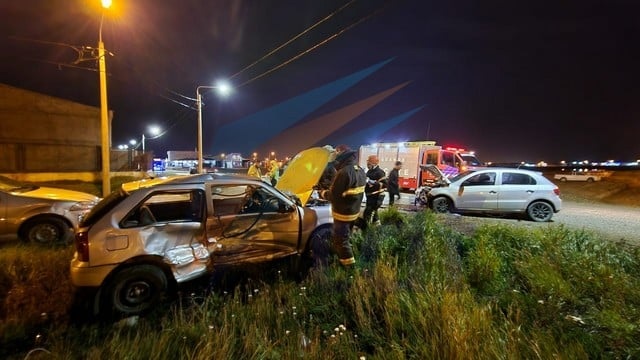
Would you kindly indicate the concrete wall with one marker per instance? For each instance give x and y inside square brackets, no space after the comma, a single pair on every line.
[40,133]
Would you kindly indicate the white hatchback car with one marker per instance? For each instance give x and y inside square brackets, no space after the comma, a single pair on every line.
[498,191]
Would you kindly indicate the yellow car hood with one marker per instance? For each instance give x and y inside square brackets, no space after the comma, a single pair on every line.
[138,184]
[58,194]
[304,172]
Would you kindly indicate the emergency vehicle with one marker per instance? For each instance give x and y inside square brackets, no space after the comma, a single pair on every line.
[451,161]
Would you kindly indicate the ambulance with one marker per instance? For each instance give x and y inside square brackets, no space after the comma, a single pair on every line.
[450,160]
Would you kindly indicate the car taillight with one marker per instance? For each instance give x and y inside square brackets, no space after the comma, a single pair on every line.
[556,191]
[82,245]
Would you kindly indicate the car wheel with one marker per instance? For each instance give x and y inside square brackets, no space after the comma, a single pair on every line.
[441,205]
[563,179]
[540,211]
[319,248]
[590,179]
[46,230]
[135,291]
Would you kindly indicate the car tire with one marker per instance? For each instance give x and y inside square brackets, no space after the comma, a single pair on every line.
[319,247]
[590,180]
[441,205]
[134,291]
[46,230]
[563,179]
[540,211]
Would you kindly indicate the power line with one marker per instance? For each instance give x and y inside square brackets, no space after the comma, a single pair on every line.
[317,45]
[293,38]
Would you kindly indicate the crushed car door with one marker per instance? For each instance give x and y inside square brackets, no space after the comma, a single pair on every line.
[167,223]
[251,223]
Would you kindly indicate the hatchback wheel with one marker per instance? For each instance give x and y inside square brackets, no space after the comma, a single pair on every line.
[135,290]
[441,205]
[45,231]
[540,211]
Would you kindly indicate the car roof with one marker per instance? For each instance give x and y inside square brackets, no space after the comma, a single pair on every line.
[524,171]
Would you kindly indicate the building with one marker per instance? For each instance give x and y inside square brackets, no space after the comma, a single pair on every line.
[44,137]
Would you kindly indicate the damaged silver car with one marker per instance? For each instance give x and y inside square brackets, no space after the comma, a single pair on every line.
[141,241]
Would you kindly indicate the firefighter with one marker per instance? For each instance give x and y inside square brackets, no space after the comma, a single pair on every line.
[254,170]
[374,190]
[345,195]
[274,172]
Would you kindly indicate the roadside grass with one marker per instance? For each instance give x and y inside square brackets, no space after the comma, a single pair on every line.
[420,290]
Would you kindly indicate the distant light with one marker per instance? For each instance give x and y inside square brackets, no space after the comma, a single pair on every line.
[563,162]
[133,141]
[106,3]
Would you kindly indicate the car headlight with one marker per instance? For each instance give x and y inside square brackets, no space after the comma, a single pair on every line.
[82,206]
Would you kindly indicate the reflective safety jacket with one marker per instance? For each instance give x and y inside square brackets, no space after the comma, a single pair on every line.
[346,191]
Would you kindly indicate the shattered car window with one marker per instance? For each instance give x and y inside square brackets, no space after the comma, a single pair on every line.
[167,207]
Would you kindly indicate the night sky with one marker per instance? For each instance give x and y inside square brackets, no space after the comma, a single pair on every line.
[513,80]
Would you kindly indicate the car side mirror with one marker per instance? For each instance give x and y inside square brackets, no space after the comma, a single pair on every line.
[284,207]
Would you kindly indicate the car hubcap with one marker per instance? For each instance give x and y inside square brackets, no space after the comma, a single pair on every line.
[540,211]
[441,206]
[137,293]
[44,233]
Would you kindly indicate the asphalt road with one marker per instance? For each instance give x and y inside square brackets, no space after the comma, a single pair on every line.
[612,222]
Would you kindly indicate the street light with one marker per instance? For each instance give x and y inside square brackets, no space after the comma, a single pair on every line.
[155,132]
[104,116]
[223,89]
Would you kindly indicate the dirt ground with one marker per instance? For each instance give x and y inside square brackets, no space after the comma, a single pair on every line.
[621,188]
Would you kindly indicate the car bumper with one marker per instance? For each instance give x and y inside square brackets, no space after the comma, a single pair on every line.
[83,275]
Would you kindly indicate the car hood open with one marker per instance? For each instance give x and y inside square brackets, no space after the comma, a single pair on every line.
[303,173]
[435,171]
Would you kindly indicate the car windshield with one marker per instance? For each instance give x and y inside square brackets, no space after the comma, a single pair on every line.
[471,160]
[460,175]
[11,185]
[103,207]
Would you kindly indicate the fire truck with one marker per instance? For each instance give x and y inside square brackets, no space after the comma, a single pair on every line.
[449,160]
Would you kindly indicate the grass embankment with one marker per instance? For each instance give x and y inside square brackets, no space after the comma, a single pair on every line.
[420,290]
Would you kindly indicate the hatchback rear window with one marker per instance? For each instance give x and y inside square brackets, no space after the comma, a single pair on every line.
[103,207]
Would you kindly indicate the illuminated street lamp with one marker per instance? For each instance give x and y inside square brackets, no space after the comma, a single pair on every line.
[223,89]
[104,117]
[133,142]
[155,133]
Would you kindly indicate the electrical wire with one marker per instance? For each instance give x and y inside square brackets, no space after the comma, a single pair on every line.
[317,45]
[293,38]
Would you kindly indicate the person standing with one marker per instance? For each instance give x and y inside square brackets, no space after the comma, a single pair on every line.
[254,170]
[274,172]
[374,190]
[345,195]
[393,185]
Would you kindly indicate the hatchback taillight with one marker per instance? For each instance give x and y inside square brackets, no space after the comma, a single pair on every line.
[556,191]
[82,245]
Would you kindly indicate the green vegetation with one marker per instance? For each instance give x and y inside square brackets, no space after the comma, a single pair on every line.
[420,290]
